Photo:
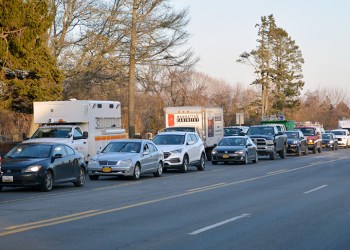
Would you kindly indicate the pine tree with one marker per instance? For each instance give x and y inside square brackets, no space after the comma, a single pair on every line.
[28,69]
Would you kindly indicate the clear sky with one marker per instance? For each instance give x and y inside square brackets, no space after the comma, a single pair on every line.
[223,29]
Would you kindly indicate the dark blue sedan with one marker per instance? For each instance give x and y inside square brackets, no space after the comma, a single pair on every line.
[42,165]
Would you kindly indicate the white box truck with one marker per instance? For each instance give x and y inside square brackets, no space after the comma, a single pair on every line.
[344,124]
[86,125]
[207,121]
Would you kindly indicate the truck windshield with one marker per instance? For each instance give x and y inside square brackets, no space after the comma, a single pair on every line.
[52,133]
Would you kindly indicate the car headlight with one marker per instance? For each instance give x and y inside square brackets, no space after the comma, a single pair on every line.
[32,169]
[269,141]
[311,140]
[125,163]
[93,162]
[295,142]
[213,152]
[176,151]
[239,152]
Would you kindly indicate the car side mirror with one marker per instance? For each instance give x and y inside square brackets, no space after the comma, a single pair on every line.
[249,145]
[280,133]
[56,156]
[85,134]
[190,142]
[145,152]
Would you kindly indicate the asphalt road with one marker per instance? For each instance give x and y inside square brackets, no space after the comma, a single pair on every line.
[293,203]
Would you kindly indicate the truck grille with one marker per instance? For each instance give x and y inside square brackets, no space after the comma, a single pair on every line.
[259,141]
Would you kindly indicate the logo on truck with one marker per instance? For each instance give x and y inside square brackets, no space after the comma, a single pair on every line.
[187,118]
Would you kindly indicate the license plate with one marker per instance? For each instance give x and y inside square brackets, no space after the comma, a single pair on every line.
[7,179]
[225,156]
[106,169]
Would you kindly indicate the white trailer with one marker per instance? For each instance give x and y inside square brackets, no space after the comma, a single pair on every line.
[86,125]
[207,121]
[344,124]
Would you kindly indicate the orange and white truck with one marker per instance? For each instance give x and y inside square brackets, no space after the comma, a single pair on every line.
[86,125]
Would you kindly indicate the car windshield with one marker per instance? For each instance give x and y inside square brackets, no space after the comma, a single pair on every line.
[232,142]
[122,146]
[326,136]
[260,131]
[338,132]
[52,133]
[183,129]
[29,151]
[169,139]
[307,131]
[231,131]
[292,135]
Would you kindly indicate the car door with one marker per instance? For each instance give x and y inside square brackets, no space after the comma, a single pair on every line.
[154,156]
[197,147]
[146,157]
[73,166]
[61,164]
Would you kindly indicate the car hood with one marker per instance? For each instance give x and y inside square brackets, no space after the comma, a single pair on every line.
[60,140]
[230,148]
[168,148]
[115,156]
[18,163]
[267,137]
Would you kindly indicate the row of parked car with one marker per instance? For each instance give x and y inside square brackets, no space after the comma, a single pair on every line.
[44,164]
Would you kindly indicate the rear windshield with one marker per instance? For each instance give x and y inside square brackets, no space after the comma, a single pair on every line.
[308,131]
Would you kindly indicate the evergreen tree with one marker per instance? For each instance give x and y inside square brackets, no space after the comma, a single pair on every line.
[28,69]
[277,64]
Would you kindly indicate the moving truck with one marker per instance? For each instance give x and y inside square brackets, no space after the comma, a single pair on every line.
[86,125]
[344,124]
[208,122]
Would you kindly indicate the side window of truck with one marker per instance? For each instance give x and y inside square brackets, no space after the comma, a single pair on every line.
[77,134]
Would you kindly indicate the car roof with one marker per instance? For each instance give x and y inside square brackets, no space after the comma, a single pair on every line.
[236,136]
[175,133]
[131,140]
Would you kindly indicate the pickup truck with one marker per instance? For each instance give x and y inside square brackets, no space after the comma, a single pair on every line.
[269,140]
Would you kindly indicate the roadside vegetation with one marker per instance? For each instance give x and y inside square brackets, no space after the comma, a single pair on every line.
[136,52]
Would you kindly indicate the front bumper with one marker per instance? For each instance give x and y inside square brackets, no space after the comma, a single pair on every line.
[111,171]
[227,157]
[21,179]
[293,148]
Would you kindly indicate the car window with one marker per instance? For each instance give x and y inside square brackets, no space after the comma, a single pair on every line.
[169,139]
[77,133]
[194,137]
[69,150]
[60,149]
[122,146]
[151,147]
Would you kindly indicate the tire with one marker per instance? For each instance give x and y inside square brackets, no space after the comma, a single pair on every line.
[47,185]
[0,188]
[80,182]
[185,164]
[282,153]
[93,177]
[314,151]
[273,156]
[256,158]
[319,150]
[306,151]
[245,162]
[336,148]
[137,172]
[298,153]
[214,162]
[201,165]
[159,171]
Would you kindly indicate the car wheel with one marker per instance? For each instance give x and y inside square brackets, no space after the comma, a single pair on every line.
[214,162]
[306,151]
[336,148]
[137,172]
[0,188]
[159,171]
[81,178]
[256,158]
[314,150]
[319,150]
[47,185]
[273,156]
[201,165]
[93,177]
[245,161]
[185,163]
[282,153]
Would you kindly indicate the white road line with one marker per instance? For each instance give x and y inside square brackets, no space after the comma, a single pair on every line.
[218,224]
[315,189]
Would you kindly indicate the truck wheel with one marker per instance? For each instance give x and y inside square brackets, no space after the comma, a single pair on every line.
[201,165]
[282,153]
[314,151]
[306,151]
[319,150]
[273,156]
[185,163]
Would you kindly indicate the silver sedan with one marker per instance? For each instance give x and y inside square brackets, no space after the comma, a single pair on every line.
[129,157]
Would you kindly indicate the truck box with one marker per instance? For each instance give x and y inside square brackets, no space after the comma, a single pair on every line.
[207,121]
[86,125]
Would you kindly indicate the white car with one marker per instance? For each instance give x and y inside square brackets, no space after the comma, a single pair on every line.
[181,150]
[342,136]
